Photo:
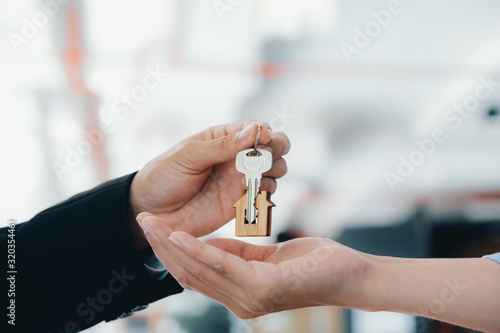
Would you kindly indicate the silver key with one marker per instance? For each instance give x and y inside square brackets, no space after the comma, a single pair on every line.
[253,163]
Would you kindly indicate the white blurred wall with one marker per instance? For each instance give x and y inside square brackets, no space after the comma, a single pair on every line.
[350,119]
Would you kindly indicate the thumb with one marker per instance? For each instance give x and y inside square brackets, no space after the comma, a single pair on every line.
[205,154]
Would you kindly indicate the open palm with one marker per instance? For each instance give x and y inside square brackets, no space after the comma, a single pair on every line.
[290,275]
[253,280]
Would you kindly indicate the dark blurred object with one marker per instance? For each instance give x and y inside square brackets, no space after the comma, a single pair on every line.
[493,112]
[214,320]
[424,236]
[289,235]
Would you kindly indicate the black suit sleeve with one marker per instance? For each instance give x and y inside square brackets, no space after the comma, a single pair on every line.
[77,264]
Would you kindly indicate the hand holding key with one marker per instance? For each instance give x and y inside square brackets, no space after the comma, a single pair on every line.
[193,186]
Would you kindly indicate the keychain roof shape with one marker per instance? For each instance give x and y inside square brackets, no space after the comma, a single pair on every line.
[264,207]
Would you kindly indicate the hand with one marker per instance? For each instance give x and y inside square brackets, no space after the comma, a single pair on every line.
[194,185]
[255,280]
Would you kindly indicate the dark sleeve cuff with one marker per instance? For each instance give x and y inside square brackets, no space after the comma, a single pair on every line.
[153,266]
[78,264]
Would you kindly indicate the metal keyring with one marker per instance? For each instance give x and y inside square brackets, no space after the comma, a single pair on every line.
[257,138]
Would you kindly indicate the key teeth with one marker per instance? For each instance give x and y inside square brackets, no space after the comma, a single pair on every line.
[261,227]
[256,217]
[253,199]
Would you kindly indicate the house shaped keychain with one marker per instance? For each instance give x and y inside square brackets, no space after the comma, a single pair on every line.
[253,209]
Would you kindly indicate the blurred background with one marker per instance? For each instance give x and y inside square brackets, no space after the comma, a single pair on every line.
[392,108]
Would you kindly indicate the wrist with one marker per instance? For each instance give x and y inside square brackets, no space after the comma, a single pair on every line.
[368,286]
[395,284]
[133,209]
[357,287]
[378,285]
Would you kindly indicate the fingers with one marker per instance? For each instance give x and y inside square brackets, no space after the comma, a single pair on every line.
[158,235]
[195,281]
[251,283]
[241,286]
[171,255]
[211,279]
[220,131]
[142,216]
[243,250]
[278,170]
[155,230]
[200,155]
[280,145]
[226,273]
[268,184]
[222,263]
[221,143]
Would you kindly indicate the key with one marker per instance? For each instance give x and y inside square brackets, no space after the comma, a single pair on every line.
[253,163]
[253,210]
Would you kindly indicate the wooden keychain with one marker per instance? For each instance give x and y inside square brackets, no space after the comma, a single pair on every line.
[253,209]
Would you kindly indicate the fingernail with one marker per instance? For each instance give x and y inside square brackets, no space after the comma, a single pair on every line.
[148,227]
[246,132]
[139,218]
[176,241]
[270,132]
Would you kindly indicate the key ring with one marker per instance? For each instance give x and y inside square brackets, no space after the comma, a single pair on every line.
[257,138]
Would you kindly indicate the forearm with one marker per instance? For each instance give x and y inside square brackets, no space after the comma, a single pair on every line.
[464,292]
[75,251]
